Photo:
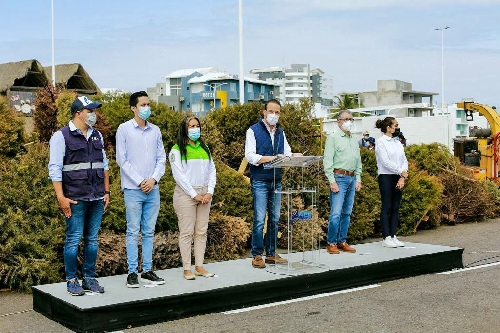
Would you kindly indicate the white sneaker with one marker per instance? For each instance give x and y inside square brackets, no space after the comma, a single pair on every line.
[388,242]
[397,242]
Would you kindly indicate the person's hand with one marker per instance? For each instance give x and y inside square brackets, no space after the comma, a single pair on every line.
[147,185]
[106,201]
[65,204]
[400,184]
[358,186]
[206,198]
[198,198]
[334,187]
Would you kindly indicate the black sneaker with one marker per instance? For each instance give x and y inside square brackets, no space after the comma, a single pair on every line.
[132,281]
[152,278]
[92,285]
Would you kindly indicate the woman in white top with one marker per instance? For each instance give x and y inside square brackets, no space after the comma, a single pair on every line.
[194,172]
[392,173]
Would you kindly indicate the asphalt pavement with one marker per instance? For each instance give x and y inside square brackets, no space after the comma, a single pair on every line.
[465,301]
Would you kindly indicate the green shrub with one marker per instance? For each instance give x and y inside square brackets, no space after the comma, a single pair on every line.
[31,223]
[421,195]
[232,123]
[432,158]
[63,106]
[233,196]
[366,210]
[369,162]
[116,109]
[11,130]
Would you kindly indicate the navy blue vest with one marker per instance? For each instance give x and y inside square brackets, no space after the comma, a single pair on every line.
[83,170]
[265,148]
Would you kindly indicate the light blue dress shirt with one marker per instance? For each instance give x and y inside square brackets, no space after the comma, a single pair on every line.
[139,153]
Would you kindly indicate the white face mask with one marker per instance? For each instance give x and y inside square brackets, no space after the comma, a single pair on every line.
[91,119]
[347,126]
[272,119]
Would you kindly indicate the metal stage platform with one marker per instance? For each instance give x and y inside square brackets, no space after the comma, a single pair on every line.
[236,285]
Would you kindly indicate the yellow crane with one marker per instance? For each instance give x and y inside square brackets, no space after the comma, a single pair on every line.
[487,141]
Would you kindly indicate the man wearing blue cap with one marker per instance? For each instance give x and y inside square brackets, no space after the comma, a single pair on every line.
[78,168]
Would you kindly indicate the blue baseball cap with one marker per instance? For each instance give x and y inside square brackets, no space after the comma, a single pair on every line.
[83,102]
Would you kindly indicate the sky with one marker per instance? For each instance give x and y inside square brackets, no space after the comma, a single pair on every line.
[132,45]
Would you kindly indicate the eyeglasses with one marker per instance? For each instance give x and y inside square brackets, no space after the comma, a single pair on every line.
[348,119]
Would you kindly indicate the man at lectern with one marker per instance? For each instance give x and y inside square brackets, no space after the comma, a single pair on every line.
[265,141]
[342,165]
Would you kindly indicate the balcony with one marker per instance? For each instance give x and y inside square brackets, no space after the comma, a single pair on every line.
[295,88]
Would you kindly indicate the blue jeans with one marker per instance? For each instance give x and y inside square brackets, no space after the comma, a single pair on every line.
[264,199]
[340,209]
[85,220]
[141,211]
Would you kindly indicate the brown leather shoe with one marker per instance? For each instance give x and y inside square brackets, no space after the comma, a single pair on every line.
[345,247]
[257,262]
[275,259]
[332,249]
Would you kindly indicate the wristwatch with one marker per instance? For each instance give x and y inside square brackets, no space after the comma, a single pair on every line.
[107,192]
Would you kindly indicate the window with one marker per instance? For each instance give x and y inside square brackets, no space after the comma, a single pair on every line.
[262,89]
[175,87]
[232,86]
[250,87]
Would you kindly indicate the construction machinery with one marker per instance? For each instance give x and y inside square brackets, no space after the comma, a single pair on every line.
[481,150]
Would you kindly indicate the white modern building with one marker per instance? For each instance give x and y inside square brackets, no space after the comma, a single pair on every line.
[297,82]
[395,96]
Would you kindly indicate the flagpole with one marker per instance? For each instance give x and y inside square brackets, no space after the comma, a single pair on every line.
[53,64]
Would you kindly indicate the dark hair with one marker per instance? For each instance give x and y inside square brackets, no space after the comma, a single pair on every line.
[274,100]
[134,98]
[382,124]
[183,139]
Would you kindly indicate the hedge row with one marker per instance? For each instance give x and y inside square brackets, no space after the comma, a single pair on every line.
[32,225]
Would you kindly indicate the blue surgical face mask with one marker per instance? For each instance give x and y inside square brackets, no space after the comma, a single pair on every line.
[144,112]
[194,133]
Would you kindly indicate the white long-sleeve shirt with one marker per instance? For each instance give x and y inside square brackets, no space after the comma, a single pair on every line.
[251,146]
[390,155]
[197,170]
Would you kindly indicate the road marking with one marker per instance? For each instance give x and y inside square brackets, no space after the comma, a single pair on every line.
[469,268]
[263,306]
[14,313]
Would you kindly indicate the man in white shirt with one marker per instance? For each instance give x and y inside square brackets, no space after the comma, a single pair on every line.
[265,141]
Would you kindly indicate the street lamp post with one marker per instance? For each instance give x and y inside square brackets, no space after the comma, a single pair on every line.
[442,64]
[214,86]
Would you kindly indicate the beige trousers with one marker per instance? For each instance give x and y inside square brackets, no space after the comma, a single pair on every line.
[193,224]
